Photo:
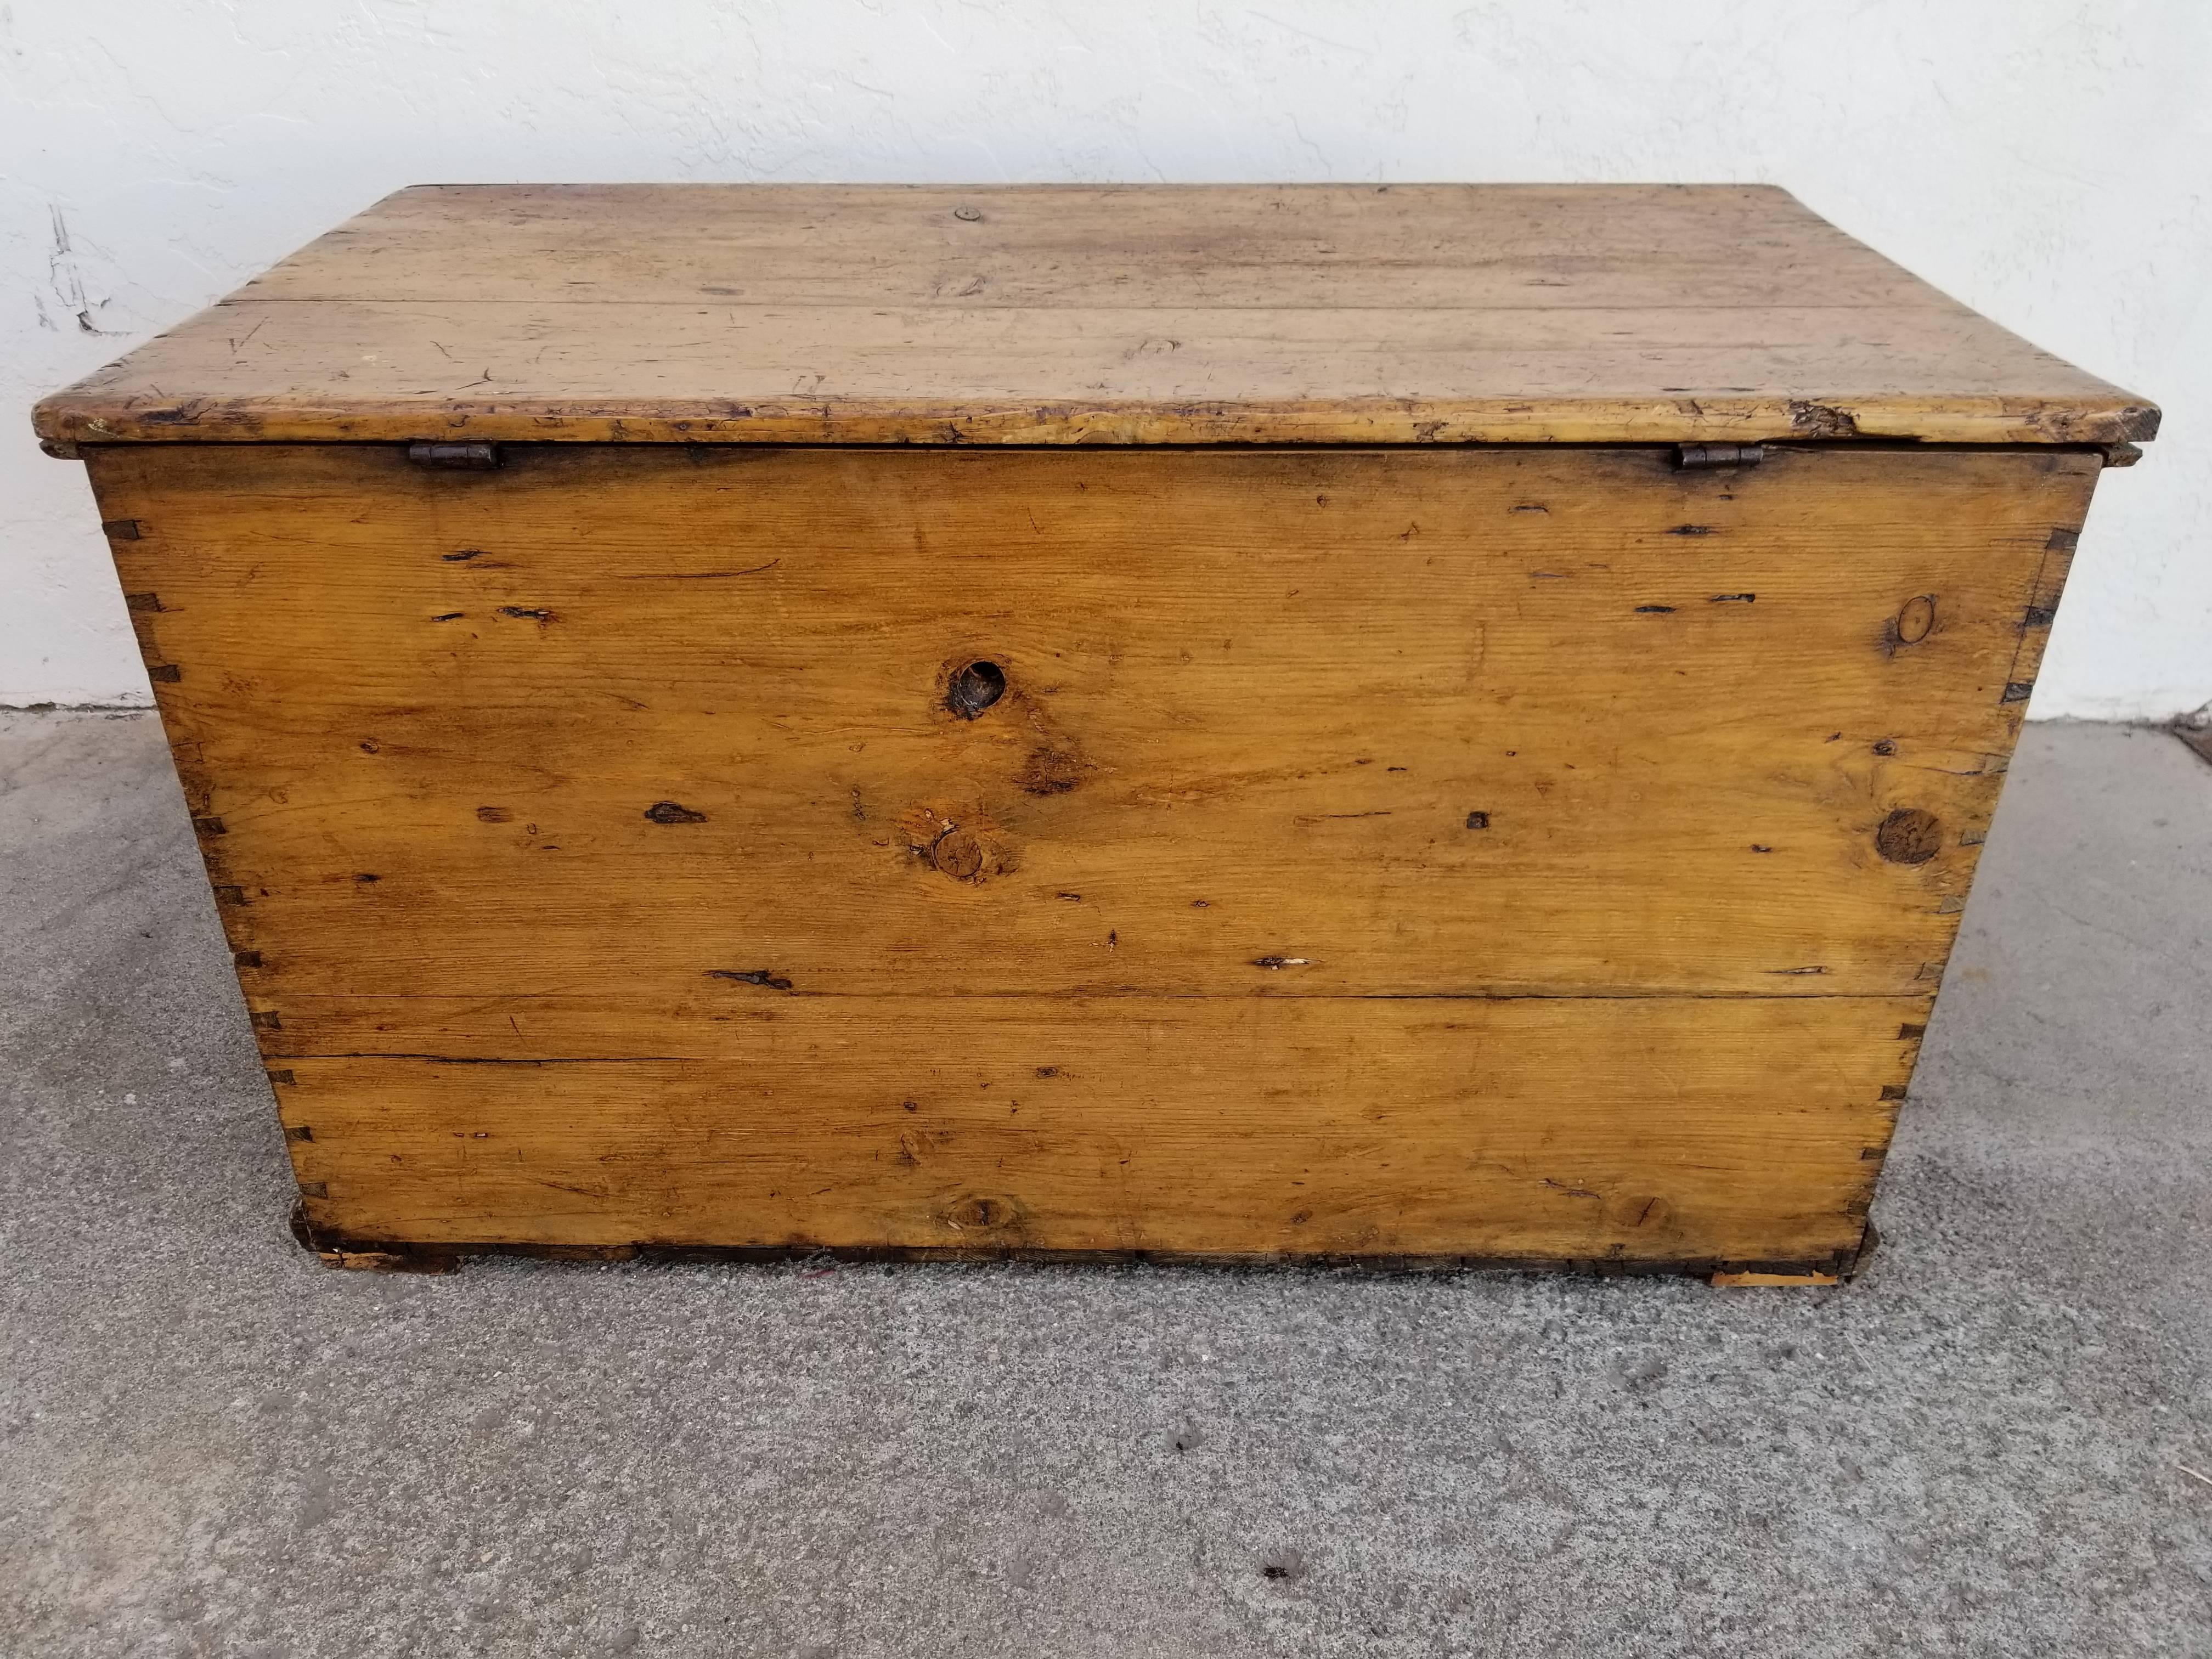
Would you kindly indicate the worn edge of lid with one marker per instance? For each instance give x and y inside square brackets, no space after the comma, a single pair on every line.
[80,415]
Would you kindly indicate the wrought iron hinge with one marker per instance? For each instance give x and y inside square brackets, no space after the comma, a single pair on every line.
[478,456]
[1688,455]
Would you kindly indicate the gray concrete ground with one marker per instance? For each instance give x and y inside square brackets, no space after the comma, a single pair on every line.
[210,1444]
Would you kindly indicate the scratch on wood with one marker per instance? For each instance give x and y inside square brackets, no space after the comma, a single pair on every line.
[694,575]
[773,980]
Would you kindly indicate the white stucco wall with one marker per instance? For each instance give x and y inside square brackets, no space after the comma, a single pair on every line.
[2049,162]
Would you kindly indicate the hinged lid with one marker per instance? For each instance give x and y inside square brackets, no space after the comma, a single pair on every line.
[1325,313]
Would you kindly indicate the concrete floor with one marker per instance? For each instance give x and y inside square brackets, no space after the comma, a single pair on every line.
[210,1444]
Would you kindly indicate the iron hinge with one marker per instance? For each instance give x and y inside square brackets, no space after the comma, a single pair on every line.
[478,456]
[1689,455]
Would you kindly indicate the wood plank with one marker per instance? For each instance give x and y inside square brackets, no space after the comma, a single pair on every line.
[1064,315]
[1658,1131]
[1081,247]
[1279,724]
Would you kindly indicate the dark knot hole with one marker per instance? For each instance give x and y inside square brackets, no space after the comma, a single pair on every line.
[975,688]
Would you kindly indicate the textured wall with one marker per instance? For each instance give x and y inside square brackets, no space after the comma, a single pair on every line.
[2049,163]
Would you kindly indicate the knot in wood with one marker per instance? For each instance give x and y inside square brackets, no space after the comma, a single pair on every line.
[977,1212]
[1916,620]
[1909,835]
[958,853]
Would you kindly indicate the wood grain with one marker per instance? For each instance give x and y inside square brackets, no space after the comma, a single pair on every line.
[1471,852]
[1669,1130]
[1475,722]
[1091,314]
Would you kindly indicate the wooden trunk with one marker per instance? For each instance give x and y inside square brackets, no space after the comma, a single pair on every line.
[783,778]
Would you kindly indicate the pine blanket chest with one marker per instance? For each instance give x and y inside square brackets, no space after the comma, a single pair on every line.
[1438,722]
